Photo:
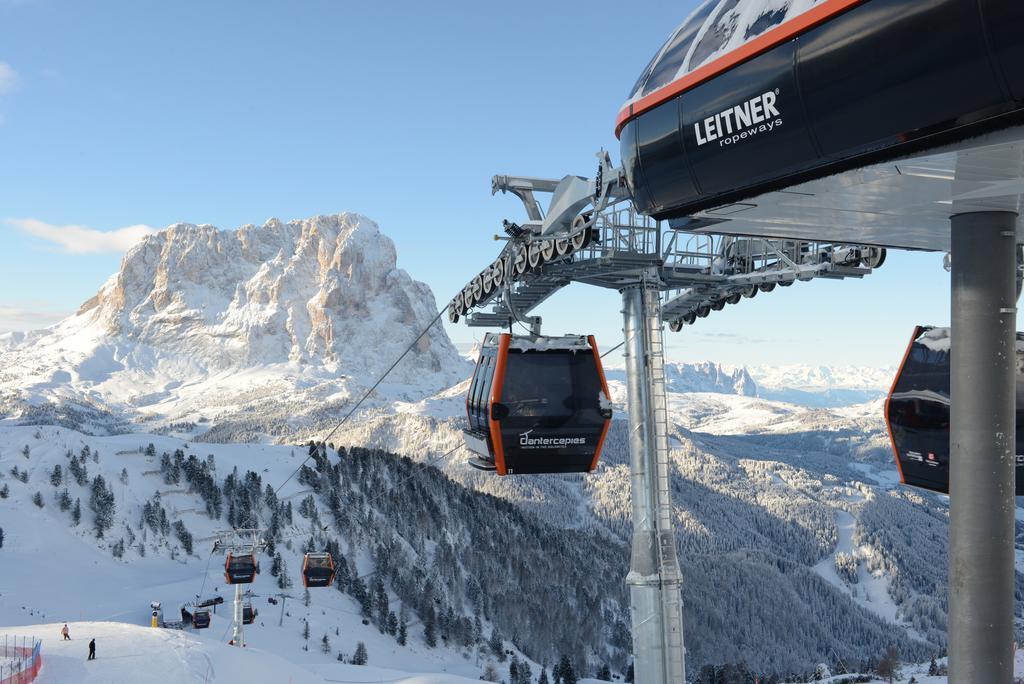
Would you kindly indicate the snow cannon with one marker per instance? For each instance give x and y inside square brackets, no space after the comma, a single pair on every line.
[917,411]
[748,97]
[537,405]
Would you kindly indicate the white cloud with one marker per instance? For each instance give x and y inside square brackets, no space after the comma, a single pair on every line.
[83,240]
[9,78]
[19,318]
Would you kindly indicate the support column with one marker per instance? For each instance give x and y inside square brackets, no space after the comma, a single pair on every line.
[982,448]
[654,578]
[237,635]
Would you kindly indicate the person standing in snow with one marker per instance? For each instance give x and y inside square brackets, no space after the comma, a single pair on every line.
[92,650]
[67,636]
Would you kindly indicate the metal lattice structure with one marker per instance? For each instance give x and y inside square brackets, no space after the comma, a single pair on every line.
[608,244]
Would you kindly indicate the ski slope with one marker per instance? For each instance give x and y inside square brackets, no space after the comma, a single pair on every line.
[142,655]
[53,572]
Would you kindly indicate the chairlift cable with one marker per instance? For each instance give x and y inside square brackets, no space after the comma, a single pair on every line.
[368,392]
[612,348]
[206,572]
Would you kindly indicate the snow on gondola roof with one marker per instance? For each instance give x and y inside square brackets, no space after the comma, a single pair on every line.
[715,28]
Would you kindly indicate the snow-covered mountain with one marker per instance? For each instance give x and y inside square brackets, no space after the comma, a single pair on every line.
[203,325]
[699,377]
[822,386]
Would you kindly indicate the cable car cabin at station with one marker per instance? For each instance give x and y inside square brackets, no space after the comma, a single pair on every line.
[537,405]
[917,411]
[240,568]
[201,619]
[318,570]
[748,96]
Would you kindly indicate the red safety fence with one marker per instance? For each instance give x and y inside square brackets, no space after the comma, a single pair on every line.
[20,659]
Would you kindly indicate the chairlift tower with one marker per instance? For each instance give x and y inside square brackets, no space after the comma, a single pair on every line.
[239,542]
[592,234]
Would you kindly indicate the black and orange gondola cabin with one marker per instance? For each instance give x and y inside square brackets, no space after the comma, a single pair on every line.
[240,568]
[537,405]
[917,411]
[318,570]
[249,614]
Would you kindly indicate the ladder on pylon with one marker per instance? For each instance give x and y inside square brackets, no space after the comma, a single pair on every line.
[668,562]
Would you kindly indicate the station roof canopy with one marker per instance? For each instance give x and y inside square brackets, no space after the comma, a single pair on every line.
[906,203]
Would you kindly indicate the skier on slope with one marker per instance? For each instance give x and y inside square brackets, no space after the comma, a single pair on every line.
[64,631]
[92,650]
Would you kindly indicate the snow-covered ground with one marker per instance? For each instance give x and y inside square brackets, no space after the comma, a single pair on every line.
[53,572]
[134,654]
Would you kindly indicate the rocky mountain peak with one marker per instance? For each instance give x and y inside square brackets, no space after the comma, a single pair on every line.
[302,291]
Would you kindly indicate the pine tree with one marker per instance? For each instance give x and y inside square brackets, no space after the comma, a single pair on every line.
[564,671]
[1,537]
[305,629]
[275,565]
[26,452]
[361,657]
[543,679]
[430,627]
[933,668]
[124,476]
[604,673]
[403,630]
[101,502]
[490,673]
[184,536]
[283,581]
[78,471]
[37,499]
[525,674]
[57,476]
[497,644]
[392,626]
[165,467]
[150,451]
[4,492]
[380,600]
[325,644]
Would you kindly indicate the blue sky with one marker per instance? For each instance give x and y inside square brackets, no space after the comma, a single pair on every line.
[116,115]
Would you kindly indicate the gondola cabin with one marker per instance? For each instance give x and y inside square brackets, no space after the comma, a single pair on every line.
[201,619]
[249,614]
[240,568]
[918,408]
[318,570]
[537,405]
